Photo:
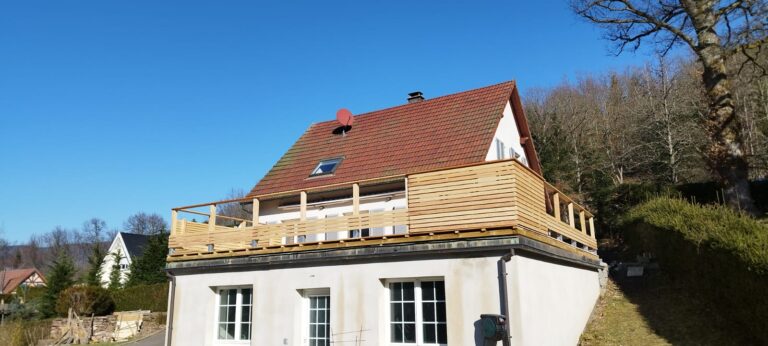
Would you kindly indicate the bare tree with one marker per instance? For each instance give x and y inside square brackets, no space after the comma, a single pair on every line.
[712,30]
[143,223]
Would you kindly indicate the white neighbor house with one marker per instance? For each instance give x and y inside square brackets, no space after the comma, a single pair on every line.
[130,246]
[394,230]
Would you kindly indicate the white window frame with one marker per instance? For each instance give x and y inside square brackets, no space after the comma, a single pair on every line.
[418,307]
[305,311]
[238,316]
[501,149]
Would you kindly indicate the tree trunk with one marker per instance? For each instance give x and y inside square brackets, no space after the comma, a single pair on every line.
[724,152]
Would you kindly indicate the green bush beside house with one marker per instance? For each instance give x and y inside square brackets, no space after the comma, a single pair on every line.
[711,251]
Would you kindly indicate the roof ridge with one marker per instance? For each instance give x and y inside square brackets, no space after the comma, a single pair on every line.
[511,81]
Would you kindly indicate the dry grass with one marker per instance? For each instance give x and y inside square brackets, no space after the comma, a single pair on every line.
[24,333]
[650,312]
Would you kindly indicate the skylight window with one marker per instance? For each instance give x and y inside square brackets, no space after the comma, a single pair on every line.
[326,167]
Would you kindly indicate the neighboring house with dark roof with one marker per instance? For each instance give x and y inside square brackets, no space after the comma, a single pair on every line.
[14,279]
[130,246]
[392,230]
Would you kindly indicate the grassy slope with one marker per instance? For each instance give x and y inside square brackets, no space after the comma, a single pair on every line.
[652,312]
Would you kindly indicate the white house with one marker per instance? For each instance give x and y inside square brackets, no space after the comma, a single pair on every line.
[130,246]
[401,228]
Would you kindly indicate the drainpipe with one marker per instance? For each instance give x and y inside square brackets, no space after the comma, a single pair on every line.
[504,295]
[169,315]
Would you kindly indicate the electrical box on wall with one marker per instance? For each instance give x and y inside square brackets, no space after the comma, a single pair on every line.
[493,326]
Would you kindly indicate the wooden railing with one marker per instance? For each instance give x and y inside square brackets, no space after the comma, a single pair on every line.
[492,195]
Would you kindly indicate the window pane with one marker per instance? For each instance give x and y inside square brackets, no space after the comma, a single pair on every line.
[441,312]
[247,296]
[409,312]
[428,310]
[232,294]
[428,290]
[409,332]
[396,291]
[230,330]
[231,314]
[429,333]
[222,331]
[442,334]
[440,290]
[223,314]
[245,331]
[407,290]
[223,297]
[397,332]
[397,312]
[321,316]
[246,314]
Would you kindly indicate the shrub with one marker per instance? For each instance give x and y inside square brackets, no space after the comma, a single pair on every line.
[713,252]
[142,297]
[24,333]
[85,301]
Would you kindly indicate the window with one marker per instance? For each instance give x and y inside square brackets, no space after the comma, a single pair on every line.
[234,315]
[326,167]
[123,266]
[319,320]
[500,149]
[417,313]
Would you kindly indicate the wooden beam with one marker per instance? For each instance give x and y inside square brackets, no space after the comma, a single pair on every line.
[303,206]
[355,199]
[592,227]
[255,211]
[174,220]
[583,222]
[571,220]
[212,218]
[556,205]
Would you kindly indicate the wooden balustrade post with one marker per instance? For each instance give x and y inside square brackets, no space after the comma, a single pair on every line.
[212,218]
[592,226]
[174,220]
[571,220]
[556,206]
[582,221]
[255,212]
[303,206]
[355,199]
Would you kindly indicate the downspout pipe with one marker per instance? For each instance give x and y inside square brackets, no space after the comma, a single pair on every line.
[169,315]
[504,295]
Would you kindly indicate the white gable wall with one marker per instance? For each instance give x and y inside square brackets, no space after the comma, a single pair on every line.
[109,261]
[508,134]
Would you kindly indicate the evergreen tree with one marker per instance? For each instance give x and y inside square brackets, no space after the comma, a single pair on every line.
[114,275]
[59,279]
[95,261]
[149,268]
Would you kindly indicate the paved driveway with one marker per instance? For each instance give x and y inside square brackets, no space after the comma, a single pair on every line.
[157,339]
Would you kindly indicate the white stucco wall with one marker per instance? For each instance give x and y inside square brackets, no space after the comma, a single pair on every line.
[549,305]
[507,132]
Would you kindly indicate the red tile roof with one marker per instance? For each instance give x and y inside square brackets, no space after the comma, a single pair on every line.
[441,132]
[11,279]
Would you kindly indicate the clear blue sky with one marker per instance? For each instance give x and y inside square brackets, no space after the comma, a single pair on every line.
[108,108]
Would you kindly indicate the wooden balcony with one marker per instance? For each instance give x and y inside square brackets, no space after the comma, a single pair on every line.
[487,199]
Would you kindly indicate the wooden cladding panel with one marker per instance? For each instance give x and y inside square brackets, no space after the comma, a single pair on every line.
[470,197]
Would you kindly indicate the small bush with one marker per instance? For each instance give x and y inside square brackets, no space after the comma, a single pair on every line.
[713,252]
[24,333]
[85,301]
[142,297]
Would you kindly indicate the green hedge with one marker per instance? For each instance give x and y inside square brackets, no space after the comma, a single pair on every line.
[142,297]
[713,252]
